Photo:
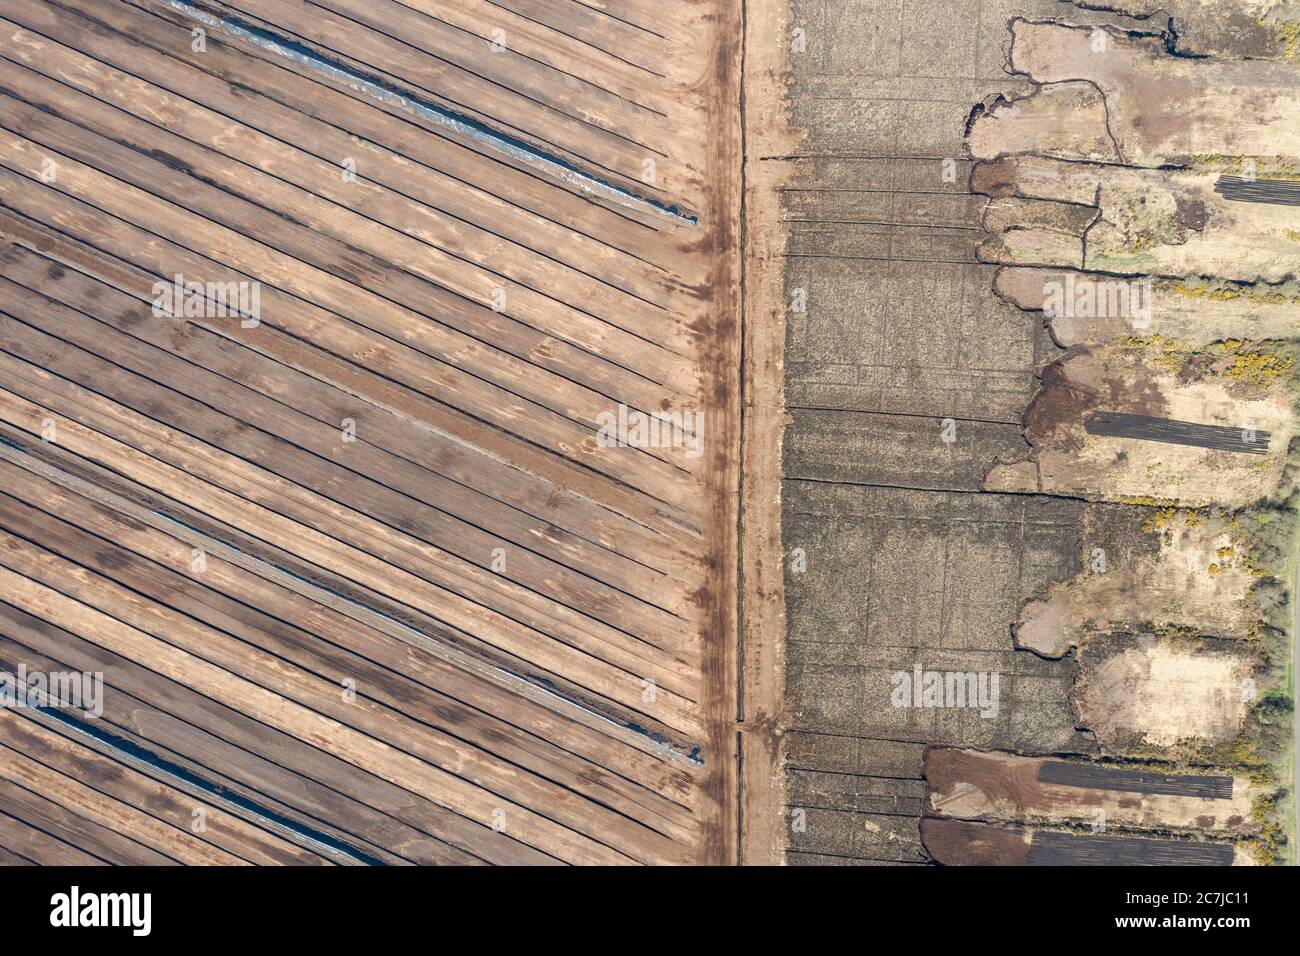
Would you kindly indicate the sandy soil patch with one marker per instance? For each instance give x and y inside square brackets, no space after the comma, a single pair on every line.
[1162,692]
[1199,574]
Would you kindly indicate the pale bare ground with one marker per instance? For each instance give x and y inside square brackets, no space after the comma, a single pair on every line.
[761,703]
[1197,574]
[1162,693]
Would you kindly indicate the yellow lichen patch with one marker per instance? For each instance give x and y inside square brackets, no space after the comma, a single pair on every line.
[1159,519]
[1134,245]
[1163,343]
[1165,516]
[1167,353]
[1262,167]
[1250,362]
[1218,291]
[1252,570]
[1259,367]
[1288,33]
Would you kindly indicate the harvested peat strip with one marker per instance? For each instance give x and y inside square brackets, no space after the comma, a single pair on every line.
[1170,431]
[362,581]
[1281,192]
[1061,849]
[1135,781]
[960,843]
